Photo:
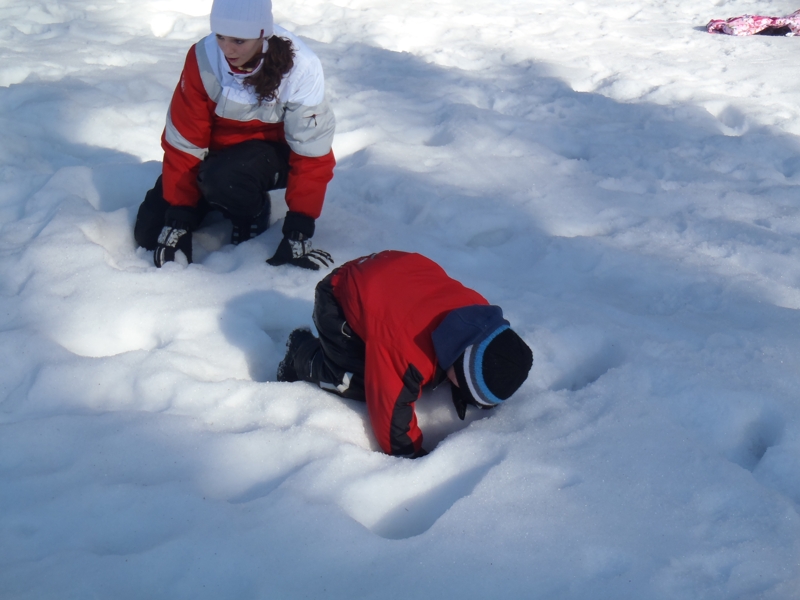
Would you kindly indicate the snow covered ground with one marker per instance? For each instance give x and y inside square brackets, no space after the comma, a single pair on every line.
[623,184]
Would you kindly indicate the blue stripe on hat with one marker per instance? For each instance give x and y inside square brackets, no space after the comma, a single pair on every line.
[476,368]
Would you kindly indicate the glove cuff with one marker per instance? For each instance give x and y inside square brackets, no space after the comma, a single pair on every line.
[184,217]
[300,223]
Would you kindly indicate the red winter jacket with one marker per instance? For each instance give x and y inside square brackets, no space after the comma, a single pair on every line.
[393,301]
[212,109]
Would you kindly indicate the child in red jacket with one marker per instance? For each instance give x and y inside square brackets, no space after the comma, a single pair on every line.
[248,116]
[392,322]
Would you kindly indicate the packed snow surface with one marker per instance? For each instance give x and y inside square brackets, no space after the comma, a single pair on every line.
[622,183]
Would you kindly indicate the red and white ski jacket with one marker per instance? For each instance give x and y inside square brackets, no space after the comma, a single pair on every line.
[212,109]
[393,301]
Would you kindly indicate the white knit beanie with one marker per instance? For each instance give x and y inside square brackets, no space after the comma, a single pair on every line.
[243,19]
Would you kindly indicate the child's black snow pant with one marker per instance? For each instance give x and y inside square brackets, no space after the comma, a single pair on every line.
[235,181]
[334,361]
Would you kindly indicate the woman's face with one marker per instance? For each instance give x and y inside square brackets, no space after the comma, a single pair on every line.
[238,52]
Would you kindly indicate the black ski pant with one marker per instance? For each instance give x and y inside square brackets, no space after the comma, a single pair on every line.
[334,361]
[235,181]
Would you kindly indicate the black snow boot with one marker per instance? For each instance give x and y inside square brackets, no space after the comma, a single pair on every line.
[246,228]
[287,370]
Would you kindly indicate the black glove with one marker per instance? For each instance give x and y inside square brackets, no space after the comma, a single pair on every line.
[296,250]
[175,235]
[458,402]
[295,247]
[462,399]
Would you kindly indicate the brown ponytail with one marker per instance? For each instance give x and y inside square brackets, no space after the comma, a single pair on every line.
[278,60]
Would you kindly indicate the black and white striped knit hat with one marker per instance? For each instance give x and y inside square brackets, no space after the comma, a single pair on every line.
[493,369]
[490,360]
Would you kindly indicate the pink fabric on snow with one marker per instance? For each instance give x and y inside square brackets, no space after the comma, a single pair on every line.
[753,24]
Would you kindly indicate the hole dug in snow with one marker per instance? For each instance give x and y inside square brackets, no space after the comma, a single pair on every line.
[755,440]
[589,369]
[402,505]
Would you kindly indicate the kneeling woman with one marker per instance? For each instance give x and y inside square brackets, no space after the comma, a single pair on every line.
[248,116]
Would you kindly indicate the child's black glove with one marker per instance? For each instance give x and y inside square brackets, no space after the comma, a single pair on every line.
[296,250]
[295,247]
[173,237]
[179,222]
